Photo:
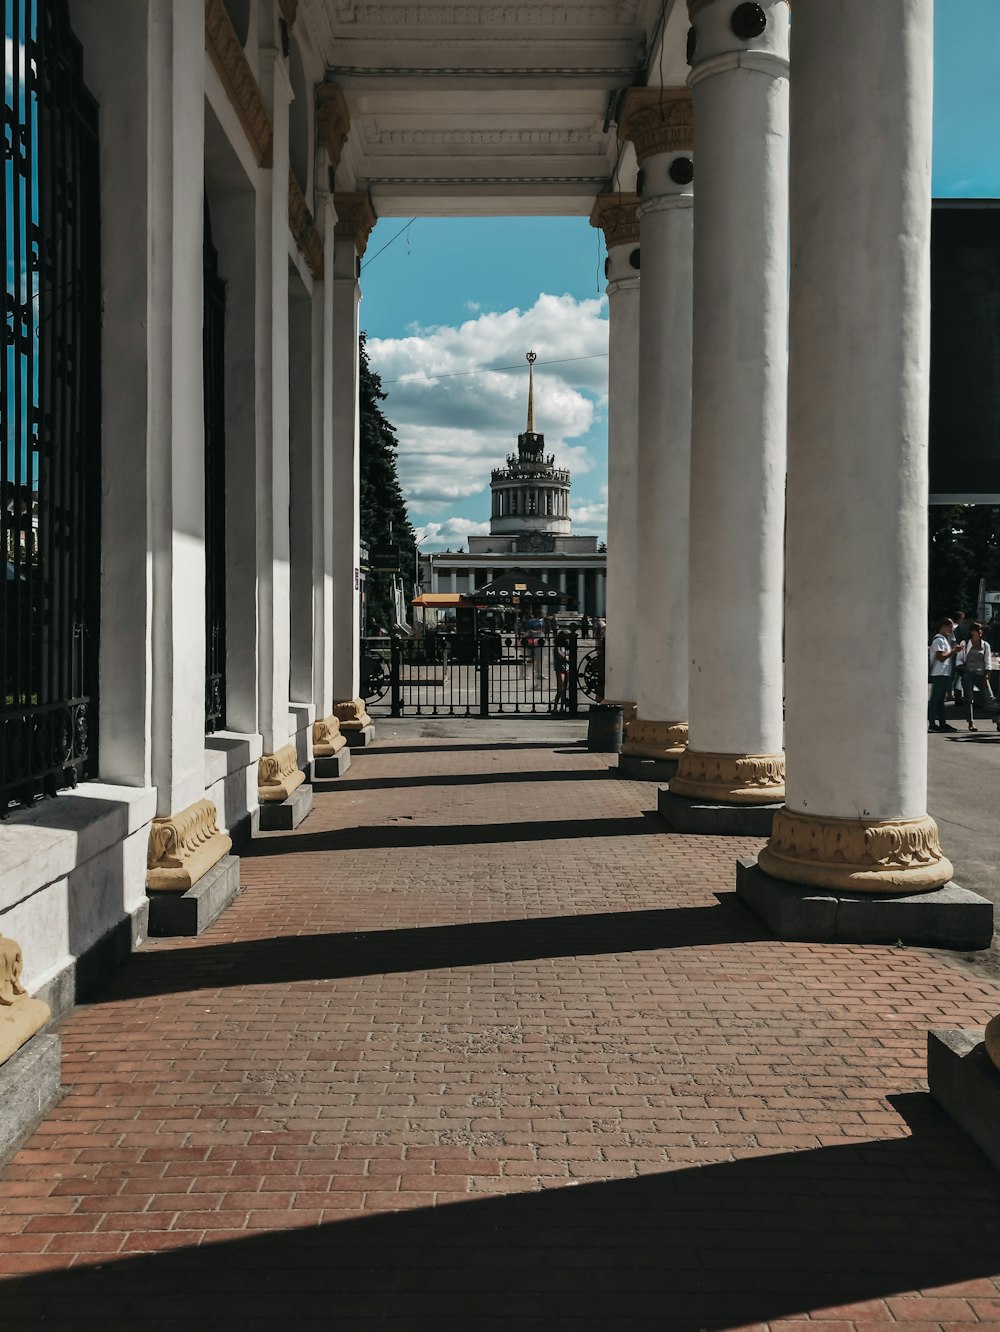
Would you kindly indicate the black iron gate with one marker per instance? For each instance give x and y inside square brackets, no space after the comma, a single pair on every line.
[50,409]
[478,675]
[214,349]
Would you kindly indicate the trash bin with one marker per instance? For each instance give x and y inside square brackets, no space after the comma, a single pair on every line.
[604,728]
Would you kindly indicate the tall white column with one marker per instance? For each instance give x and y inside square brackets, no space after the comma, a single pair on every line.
[856,813]
[659,123]
[739,83]
[615,214]
[581,591]
[355,220]
[323,475]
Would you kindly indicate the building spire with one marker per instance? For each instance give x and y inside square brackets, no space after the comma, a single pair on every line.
[531,358]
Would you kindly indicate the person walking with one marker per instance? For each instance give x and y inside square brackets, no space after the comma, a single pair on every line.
[940,659]
[561,664]
[974,663]
[532,640]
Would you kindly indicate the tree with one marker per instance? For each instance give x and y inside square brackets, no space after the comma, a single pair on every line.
[964,547]
[384,520]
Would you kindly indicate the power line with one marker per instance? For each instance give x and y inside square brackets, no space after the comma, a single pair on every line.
[388,243]
[494,369]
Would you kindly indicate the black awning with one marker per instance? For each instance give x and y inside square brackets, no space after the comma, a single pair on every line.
[516,589]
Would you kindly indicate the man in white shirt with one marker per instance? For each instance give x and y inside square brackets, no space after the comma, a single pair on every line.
[940,660]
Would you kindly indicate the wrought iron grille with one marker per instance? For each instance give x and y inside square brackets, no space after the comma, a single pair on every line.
[50,409]
[214,335]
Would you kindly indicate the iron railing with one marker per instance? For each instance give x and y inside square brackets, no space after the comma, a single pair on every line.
[50,409]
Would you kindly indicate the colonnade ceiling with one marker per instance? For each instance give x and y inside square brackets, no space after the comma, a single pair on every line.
[491,108]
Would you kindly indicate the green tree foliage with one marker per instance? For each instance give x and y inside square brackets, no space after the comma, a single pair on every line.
[384,520]
[964,547]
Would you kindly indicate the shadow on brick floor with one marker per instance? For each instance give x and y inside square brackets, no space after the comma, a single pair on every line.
[464,779]
[287,958]
[710,1247]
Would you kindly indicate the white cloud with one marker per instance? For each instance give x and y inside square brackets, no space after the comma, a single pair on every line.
[435,534]
[454,426]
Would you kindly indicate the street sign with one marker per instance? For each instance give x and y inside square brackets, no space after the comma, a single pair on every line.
[384,559]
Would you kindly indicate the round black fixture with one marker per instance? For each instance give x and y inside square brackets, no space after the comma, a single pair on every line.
[748,21]
[640,180]
[692,44]
[607,267]
[634,258]
[682,171]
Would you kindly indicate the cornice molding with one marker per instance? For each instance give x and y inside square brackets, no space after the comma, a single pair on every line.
[355,219]
[358,13]
[226,54]
[617,217]
[333,120]
[657,120]
[304,230]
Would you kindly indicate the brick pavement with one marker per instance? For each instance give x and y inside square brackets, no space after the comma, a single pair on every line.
[482,1047]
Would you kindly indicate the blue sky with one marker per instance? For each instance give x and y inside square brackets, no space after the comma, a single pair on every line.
[451,295]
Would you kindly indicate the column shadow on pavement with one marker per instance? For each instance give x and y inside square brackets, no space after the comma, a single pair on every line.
[708,1247]
[283,959]
[461,779]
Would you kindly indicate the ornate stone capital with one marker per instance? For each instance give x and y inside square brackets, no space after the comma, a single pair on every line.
[327,739]
[992,1038]
[183,847]
[227,56]
[352,715]
[333,120]
[856,855]
[355,219]
[732,779]
[617,216]
[278,775]
[655,739]
[289,8]
[657,121]
[303,229]
[20,1015]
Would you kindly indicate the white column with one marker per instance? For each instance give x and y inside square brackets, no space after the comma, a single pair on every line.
[454,580]
[615,214]
[323,474]
[856,815]
[739,81]
[602,598]
[659,121]
[562,581]
[355,220]
[580,591]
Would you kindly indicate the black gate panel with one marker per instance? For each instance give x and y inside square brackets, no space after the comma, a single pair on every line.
[50,410]
[214,362]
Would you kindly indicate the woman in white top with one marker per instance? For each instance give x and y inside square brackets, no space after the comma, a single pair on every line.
[939,663]
[974,660]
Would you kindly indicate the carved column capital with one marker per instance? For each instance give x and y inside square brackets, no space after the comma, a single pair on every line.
[736,779]
[655,739]
[352,715]
[617,216]
[355,219]
[183,847]
[657,120]
[856,855]
[303,229]
[289,9]
[327,739]
[226,54]
[333,120]
[20,1016]
[278,775]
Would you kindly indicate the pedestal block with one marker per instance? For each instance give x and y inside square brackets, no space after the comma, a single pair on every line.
[360,738]
[683,814]
[948,917]
[29,1088]
[287,814]
[638,769]
[192,912]
[335,765]
[966,1084]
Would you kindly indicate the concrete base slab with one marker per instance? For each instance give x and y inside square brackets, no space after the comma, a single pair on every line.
[358,739]
[963,1080]
[29,1088]
[645,769]
[683,814]
[172,914]
[284,815]
[332,765]
[949,917]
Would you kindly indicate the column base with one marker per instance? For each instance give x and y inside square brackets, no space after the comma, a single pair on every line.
[637,769]
[334,766]
[652,750]
[964,1081]
[731,779]
[352,716]
[183,847]
[29,1088]
[328,739]
[360,738]
[713,818]
[948,917]
[286,815]
[172,914]
[278,775]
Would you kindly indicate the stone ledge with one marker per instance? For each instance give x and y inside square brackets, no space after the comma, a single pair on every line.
[286,815]
[687,814]
[327,766]
[638,769]
[188,913]
[949,917]
[359,739]
[29,1088]
[963,1080]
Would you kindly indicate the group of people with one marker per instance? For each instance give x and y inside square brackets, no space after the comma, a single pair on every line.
[960,660]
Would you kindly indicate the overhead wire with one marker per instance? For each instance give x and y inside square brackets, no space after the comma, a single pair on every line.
[388,243]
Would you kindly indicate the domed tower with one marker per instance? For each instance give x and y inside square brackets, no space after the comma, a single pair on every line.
[530,494]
